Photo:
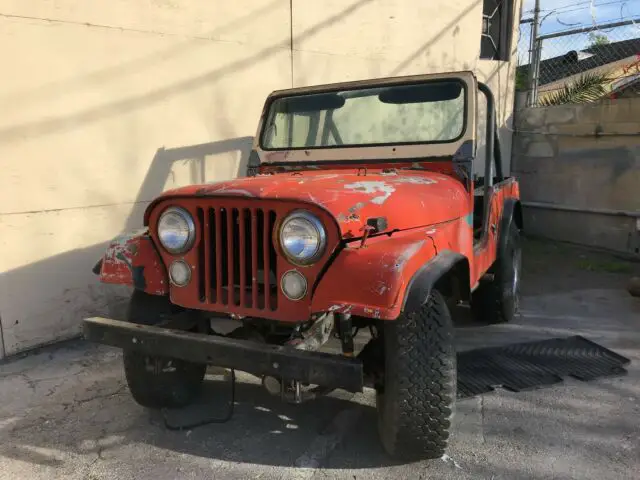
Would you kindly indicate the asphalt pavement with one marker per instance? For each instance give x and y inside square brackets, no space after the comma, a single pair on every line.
[65,412]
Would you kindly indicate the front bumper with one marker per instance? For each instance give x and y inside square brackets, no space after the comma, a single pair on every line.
[317,368]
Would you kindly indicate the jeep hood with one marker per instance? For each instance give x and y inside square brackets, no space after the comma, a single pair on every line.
[406,198]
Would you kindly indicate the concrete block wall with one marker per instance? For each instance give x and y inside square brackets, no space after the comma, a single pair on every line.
[107,103]
[579,168]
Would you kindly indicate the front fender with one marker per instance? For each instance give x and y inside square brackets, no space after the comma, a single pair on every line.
[371,281]
[132,259]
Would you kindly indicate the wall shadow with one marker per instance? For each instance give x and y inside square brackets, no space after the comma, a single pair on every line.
[82,295]
[165,158]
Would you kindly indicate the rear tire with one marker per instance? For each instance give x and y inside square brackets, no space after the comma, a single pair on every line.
[158,382]
[497,300]
[415,405]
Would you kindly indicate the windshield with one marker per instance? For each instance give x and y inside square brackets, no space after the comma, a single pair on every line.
[429,112]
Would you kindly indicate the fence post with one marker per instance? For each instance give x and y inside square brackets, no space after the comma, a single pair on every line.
[532,84]
[535,68]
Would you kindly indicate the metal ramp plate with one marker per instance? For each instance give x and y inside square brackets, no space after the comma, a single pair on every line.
[531,365]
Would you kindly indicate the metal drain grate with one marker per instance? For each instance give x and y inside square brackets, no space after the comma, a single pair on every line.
[526,366]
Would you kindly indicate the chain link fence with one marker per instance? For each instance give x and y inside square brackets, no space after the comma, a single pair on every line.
[580,65]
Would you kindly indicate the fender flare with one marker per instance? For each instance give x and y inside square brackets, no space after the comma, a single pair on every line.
[427,276]
[132,259]
[511,212]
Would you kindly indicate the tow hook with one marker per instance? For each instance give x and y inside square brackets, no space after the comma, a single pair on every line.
[290,391]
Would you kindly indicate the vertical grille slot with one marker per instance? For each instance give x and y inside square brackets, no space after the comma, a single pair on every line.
[237,258]
[245,257]
[210,235]
[234,257]
[254,259]
[203,268]
[224,253]
[219,257]
[266,262]
[260,272]
[272,291]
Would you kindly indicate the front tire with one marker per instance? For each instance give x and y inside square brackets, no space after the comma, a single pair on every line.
[415,405]
[497,300]
[158,382]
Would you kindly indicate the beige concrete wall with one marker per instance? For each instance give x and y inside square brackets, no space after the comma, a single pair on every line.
[86,113]
[579,168]
[381,38]
[106,103]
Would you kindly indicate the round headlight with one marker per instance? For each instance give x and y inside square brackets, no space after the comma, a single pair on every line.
[302,237]
[293,285]
[176,230]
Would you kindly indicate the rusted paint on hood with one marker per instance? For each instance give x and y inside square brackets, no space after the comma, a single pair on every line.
[406,198]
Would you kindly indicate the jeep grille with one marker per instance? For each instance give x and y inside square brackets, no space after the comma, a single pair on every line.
[238,257]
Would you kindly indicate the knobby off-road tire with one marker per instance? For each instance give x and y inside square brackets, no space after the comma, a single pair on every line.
[497,300]
[157,382]
[415,405]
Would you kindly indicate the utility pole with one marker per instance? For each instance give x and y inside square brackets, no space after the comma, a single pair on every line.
[534,57]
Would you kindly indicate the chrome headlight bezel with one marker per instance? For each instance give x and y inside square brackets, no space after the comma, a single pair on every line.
[321,233]
[191,229]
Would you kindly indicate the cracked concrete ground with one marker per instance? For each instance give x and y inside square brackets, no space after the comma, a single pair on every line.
[65,411]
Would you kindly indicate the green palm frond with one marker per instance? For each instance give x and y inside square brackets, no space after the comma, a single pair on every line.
[588,88]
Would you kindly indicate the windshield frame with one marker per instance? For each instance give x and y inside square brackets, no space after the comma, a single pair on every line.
[377,152]
[329,115]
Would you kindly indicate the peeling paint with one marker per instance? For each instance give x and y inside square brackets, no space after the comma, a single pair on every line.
[349,218]
[356,207]
[407,254]
[374,312]
[325,176]
[469,219]
[340,308]
[414,180]
[131,259]
[373,187]
[380,288]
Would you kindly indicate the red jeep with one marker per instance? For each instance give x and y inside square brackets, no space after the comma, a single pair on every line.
[360,210]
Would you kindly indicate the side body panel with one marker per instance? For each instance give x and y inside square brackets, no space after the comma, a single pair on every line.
[486,250]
